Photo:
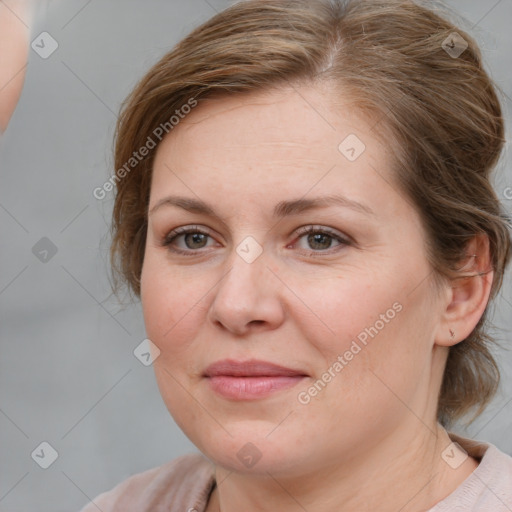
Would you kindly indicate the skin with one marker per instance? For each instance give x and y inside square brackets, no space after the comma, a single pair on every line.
[375,423]
[15,16]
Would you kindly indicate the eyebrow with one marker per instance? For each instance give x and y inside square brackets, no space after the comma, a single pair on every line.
[282,209]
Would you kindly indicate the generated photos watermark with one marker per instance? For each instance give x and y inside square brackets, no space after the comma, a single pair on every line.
[357,345]
[151,142]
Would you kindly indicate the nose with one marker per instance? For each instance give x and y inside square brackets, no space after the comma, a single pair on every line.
[247,298]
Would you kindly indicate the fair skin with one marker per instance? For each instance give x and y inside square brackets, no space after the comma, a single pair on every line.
[15,16]
[369,440]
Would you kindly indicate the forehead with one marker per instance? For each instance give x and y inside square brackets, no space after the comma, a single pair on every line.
[313,114]
[287,140]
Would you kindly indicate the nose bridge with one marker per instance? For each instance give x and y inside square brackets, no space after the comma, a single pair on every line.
[246,294]
[245,278]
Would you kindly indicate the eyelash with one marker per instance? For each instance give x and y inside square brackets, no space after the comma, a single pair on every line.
[171,237]
[306,230]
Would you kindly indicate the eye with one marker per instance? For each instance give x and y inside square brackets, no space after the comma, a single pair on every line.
[186,240]
[315,239]
[312,239]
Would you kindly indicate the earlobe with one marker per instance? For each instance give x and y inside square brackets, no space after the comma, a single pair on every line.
[469,294]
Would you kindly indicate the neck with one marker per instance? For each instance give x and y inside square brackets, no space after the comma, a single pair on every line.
[405,473]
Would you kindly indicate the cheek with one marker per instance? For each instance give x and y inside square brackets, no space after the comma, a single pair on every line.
[167,302]
[344,308]
[367,326]
[175,304]
[172,315]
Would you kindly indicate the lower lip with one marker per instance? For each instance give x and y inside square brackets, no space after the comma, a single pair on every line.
[251,388]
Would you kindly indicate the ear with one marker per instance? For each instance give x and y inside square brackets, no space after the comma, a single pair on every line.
[468,295]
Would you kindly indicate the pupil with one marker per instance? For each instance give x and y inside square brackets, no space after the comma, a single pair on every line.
[195,240]
[319,241]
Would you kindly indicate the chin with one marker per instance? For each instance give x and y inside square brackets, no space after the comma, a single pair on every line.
[249,450]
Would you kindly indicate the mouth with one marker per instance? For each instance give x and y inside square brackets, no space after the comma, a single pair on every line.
[250,380]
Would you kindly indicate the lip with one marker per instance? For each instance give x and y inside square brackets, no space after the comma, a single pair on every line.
[250,380]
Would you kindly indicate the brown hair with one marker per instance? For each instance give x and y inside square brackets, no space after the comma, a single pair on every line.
[391,56]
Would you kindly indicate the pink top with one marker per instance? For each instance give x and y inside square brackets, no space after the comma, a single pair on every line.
[185,484]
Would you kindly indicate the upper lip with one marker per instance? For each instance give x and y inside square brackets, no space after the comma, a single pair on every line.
[251,368]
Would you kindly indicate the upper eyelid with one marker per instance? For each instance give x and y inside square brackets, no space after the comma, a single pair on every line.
[299,232]
[321,229]
[184,230]
[188,229]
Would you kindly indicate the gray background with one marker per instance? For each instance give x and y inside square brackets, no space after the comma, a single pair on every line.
[68,375]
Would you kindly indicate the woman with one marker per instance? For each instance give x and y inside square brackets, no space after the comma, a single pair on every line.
[304,209]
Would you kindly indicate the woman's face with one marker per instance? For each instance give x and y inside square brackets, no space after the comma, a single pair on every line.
[348,309]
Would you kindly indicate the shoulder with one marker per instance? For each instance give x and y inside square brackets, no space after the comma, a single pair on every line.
[489,487]
[182,484]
